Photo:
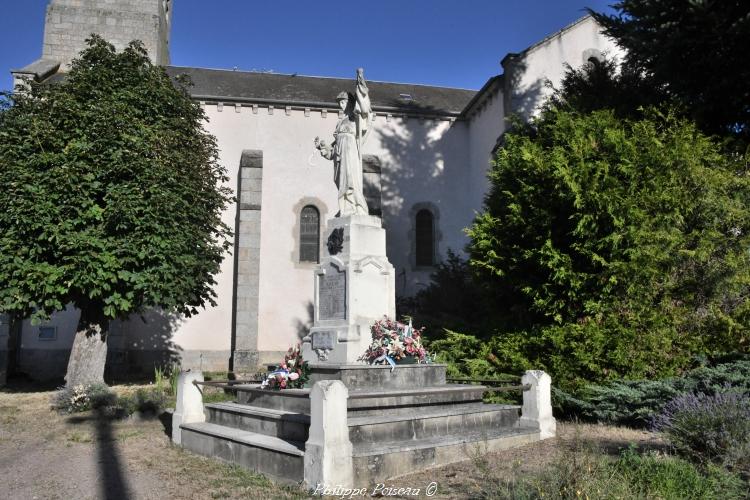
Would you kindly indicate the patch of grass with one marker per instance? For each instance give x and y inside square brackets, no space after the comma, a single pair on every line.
[79,437]
[124,435]
[584,471]
[250,484]
[664,476]
[214,395]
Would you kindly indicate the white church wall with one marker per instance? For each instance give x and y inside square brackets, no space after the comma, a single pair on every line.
[526,74]
[422,160]
[485,128]
[425,165]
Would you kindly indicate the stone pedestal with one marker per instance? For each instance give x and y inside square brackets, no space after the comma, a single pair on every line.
[354,287]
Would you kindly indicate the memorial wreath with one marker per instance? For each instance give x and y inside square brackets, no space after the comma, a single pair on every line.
[395,343]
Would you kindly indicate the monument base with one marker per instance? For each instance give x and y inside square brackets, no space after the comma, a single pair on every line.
[354,288]
[385,423]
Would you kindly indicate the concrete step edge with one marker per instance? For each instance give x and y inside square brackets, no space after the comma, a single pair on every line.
[247,438]
[388,447]
[425,414]
[271,413]
[415,391]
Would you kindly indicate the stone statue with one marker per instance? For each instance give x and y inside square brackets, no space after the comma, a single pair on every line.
[350,135]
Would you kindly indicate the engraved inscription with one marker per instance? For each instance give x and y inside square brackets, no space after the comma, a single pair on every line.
[323,340]
[332,294]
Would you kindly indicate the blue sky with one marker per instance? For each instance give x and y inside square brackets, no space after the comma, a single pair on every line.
[454,43]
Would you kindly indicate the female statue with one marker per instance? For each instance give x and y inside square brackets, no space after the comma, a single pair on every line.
[346,150]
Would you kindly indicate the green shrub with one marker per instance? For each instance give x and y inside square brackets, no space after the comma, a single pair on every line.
[618,246]
[636,402]
[709,428]
[83,397]
[150,401]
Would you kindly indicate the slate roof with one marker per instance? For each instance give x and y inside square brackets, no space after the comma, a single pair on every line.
[310,91]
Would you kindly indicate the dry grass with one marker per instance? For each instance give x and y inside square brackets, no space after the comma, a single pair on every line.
[47,455]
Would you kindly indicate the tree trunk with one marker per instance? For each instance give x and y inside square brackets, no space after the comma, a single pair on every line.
[88,355]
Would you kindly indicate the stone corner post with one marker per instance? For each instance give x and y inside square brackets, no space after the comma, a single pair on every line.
[328,451]
[537,403]
[189,407]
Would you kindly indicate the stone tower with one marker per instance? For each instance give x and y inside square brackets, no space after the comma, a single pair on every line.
[70,22]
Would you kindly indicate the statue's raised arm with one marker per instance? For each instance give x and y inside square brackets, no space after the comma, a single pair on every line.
[346,150]
[363,108]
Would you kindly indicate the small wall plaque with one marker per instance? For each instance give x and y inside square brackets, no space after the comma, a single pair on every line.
[323,340]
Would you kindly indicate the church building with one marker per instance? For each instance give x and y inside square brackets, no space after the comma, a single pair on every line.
[425,173]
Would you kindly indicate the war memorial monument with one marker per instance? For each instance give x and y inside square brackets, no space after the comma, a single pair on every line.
[355,423]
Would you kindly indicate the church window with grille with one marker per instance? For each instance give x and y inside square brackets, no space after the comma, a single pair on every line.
[309,234]
[425,238]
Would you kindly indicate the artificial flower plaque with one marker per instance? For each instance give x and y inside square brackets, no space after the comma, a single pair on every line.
[292,373]
[395,343]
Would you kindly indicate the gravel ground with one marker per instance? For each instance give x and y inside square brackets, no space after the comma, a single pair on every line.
[45,455]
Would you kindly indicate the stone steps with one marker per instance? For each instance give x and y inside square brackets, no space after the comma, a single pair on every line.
[279,458]
[365,401]
[291,400]
[378,461]
[398,401]
[278,423]
[427,423]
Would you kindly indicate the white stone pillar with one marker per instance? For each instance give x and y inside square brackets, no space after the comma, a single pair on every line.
[328,451]
[189,403]
[537,403]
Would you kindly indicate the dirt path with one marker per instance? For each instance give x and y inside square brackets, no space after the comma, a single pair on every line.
[44,455]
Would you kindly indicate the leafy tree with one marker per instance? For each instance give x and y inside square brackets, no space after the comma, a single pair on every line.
[111,199]
[695,50]
[625,240]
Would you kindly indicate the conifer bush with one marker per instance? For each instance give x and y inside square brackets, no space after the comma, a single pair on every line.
[619,246]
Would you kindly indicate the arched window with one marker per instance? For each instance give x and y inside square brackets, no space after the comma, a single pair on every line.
[309,234]
[425,238]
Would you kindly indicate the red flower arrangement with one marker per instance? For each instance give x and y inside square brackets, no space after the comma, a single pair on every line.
[292,373]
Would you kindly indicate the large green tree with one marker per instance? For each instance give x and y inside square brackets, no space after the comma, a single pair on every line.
[694,50]
[111,198]
[621,242]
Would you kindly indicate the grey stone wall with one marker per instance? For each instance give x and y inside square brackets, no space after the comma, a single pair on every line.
[70,22]
[133,364]
[247,262]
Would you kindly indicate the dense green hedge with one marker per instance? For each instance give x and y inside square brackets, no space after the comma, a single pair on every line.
[616,248]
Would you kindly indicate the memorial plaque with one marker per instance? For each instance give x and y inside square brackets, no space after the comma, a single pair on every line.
[332,294]
[323,340]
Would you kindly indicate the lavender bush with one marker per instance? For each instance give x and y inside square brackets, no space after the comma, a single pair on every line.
[709,427]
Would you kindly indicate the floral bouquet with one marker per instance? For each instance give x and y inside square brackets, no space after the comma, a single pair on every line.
[395,342]
[293,372]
